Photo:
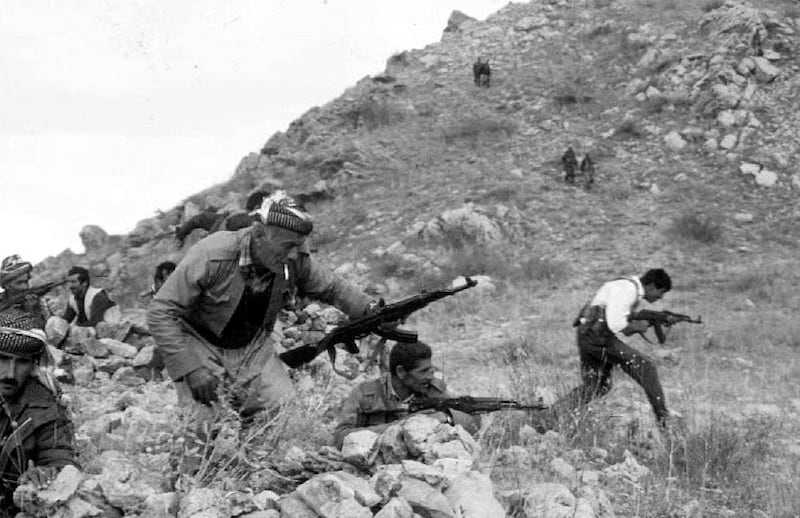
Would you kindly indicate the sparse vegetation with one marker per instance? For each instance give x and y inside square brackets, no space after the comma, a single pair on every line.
[373,114]
[628,129]
[710,5]
[476,127]
[697,227]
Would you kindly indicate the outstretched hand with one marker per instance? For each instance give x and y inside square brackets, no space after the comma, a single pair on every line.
[39,476]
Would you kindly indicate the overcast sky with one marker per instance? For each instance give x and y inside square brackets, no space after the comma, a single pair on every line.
[112,110]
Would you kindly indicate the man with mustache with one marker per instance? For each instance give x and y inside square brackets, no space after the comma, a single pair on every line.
[36,435]
[88,306]
[213,317]
[15,276]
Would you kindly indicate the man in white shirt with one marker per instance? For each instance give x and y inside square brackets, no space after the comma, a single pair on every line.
[601,325]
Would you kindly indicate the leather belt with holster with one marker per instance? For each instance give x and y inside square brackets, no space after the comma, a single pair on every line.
[591,318]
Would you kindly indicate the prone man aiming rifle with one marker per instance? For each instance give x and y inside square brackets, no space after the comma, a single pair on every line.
[658,320]
[381,322]
[466,404]
[38,291]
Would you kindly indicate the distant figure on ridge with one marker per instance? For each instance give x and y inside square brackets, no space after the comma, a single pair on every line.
[482,72]
[587,170]
[570,163]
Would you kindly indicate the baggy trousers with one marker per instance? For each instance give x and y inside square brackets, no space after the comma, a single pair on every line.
[254,374]
[600,351]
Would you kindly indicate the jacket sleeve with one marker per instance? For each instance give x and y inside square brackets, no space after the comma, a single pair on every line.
[318,282]
[100,304]
[168,309]
[55,442]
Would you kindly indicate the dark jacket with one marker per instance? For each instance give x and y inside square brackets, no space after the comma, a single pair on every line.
[206,287]
[43,434]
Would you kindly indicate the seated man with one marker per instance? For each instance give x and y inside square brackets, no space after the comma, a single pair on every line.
[374,405]
[15,276]
[36,437]
[88,306]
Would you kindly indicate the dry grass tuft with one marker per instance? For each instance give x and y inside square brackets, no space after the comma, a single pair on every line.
[697,227]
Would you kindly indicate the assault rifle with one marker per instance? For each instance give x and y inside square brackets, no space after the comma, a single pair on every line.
[381,323]
[661,319]
[38,291]
[466,404]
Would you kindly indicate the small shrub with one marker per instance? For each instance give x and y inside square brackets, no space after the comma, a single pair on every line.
[391,265]
[474,127]
[544,269]
[373,114]
[628,129]
[723,453]
[502,194]
[710,5]
[654,105]
[598,31]
[697,227]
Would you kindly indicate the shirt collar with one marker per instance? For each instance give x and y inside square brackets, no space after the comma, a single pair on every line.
[388,389]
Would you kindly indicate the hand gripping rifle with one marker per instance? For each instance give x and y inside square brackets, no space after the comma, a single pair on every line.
[661,319]
[38,291]
[381,323]
[466,404]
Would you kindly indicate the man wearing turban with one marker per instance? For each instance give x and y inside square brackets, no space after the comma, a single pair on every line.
[15,276]
[36,435]
[213,317]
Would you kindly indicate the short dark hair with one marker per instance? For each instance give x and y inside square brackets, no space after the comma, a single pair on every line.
[255,199]
[408,355]
[81,272]
[658,278]
[163,270]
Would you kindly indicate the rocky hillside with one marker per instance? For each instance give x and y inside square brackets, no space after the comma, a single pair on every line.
[415,176]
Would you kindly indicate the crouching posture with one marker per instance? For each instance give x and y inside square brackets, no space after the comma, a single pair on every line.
[600,327]
[36,437]
[213,317]
[375,404]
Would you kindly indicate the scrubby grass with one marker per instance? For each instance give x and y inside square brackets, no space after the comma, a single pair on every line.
[372,114]
[697,227]
[477,127]
[628,129]
[710,5]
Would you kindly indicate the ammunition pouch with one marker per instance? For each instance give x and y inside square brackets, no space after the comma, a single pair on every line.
[591,318]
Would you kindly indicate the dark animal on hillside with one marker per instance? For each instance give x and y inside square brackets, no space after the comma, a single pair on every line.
[570,162]
[587,170]
[482,72]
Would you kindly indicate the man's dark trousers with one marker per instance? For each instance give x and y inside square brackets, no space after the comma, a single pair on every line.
[599,351]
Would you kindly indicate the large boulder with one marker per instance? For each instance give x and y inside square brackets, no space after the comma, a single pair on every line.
[457,20]
[93,237]
[330,497]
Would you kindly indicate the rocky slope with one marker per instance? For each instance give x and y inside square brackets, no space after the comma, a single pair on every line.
[415,176]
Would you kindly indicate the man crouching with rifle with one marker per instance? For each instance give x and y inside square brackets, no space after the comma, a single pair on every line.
[375,404]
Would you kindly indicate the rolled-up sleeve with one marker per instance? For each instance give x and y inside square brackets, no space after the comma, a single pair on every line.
[318,282]
[169,308]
